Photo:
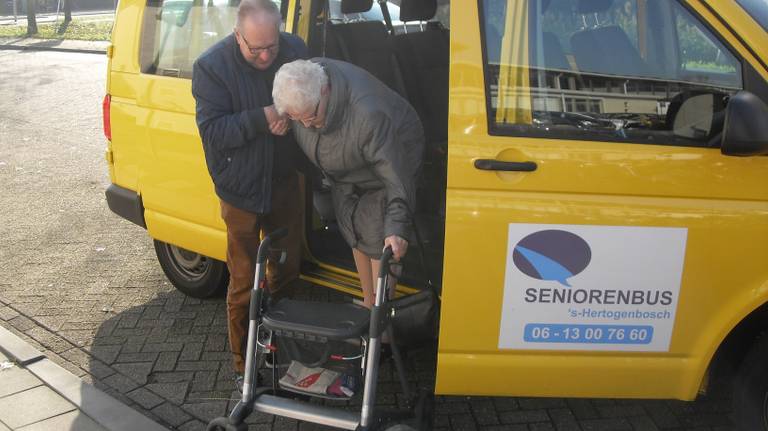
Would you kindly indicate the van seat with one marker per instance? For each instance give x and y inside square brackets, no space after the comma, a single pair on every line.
[554,56]
[366,44]
[424,60]
[607,50]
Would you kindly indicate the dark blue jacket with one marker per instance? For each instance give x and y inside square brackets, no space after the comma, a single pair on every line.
[230,96]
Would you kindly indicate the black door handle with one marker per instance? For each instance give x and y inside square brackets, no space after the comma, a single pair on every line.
[498,165]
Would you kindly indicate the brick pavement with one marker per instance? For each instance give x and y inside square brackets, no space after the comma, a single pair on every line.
[83,286]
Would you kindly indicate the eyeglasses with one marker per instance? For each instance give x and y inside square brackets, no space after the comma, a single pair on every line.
[310,118]
[272,49]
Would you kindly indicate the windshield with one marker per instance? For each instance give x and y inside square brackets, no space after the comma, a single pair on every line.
[758,9]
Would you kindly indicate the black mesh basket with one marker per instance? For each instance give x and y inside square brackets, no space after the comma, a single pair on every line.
[316,366]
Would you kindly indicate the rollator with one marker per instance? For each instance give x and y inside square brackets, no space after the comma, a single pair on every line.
[349,340]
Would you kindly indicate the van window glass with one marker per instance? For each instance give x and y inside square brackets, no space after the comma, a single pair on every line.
[645,71]
[393,7]
[176,32]
[758,9]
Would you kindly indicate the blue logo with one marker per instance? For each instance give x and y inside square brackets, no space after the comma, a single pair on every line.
[552,255]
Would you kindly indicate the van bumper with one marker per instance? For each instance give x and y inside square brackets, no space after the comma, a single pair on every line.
[126,203]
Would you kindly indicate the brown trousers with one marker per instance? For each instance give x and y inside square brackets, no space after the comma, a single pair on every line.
[244,230]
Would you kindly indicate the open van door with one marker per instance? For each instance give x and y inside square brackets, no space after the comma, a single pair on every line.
[591,229]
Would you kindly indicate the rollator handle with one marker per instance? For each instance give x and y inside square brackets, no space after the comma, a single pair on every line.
[278,234]
[266,243]
[385,258]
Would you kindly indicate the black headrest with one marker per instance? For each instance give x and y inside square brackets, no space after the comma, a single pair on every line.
[356,6]
[594,6]
[417,10]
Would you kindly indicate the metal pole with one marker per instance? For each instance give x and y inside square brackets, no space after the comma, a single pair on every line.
[56,20]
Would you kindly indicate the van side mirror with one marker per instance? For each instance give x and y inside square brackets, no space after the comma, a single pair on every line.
[745,132]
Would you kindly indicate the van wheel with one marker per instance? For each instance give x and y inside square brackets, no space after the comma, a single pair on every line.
[195,275]
[750,397]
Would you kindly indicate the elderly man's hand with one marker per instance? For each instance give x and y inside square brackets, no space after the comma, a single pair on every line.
[278,124]
[280,127]
[399,246]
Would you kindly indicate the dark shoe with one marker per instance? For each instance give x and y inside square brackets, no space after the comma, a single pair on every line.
[239,382]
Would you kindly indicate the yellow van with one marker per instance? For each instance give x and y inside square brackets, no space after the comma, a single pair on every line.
[594,203]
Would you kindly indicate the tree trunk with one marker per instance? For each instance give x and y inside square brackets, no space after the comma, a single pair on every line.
[67,11]
[31,19]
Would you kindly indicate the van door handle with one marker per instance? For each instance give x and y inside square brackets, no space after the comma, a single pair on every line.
[498,165]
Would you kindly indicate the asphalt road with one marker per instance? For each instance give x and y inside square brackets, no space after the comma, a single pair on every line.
[83,285]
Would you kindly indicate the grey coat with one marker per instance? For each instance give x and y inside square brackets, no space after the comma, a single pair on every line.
[370,149]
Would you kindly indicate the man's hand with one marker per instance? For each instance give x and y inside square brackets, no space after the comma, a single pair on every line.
[399,246]
[278,124]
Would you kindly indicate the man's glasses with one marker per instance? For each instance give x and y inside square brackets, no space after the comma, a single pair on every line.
[272,49]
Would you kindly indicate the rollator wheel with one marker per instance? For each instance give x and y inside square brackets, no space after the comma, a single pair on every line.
[221,424]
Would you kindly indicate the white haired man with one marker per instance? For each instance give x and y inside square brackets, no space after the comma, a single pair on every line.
[368,142]
[250,161]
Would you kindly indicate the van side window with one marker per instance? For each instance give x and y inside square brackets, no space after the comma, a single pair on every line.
[176,32]
[644,71]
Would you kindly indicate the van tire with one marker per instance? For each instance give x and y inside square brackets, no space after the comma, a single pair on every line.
[750,392]
[193,274]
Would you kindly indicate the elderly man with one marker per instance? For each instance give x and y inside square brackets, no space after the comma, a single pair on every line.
[368,142]
[249,160]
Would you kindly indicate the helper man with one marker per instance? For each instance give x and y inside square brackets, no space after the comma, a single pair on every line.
[249,153]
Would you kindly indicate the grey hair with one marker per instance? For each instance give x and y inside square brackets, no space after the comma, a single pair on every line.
[298,85]
[249,8]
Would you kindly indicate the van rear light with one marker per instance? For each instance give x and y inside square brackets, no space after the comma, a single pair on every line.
[107,121]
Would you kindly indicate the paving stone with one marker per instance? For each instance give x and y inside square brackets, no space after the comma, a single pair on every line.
[661,414]
[582,409]
[207,410]
[175,392]
[619,411]
[137,357]
[171,414]
[15,380]
[120,382]
[505,428]
[138,372]
[451,408]
[643,423]
[191,352]
[7,313]
[73,420]
[606,425]
[49,340]
[166,361]
[541,426]
[162,347]
[198,365]
[172,377]
[152,312]
[463,422]
[31,406]
[564,420]
[181,326]
[541,403]
[524,416]
[194,425]
[106,354]
[204,381]
[145,398]
[504,404]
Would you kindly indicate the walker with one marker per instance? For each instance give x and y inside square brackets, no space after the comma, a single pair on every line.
[349,340]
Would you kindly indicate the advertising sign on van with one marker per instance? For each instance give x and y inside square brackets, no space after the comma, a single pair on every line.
[579,287]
